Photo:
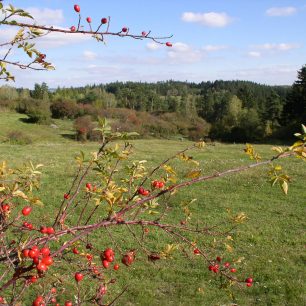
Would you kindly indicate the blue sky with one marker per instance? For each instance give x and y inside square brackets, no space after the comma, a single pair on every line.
[257,40]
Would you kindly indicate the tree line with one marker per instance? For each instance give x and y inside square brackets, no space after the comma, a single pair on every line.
[222,110]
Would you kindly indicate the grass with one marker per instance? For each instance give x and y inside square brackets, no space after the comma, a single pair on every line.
[271,241]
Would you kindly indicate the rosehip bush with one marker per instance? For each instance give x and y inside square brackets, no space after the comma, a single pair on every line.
[124,194]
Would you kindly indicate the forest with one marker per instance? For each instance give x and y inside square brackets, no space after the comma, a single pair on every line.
[229,111]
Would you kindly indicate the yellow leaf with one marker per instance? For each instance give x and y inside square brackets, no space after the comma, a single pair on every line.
[228,248]
[20,194]
[2,188]
[193,174]
[169,169]
[284,186]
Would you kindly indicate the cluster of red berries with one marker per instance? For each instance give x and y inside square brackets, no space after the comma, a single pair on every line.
[215,267]
[158,184]
[249,282]
[40,301]
[89,187]
[108,257]
[47,230]
[105,21]
[28,225]
[143,191]
[41,257]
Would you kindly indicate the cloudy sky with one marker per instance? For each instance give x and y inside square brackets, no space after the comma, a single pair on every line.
[257,40]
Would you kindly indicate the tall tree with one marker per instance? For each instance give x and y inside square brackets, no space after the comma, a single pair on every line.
[295,107]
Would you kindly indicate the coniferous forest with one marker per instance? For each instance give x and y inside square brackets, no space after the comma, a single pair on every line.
[231,111]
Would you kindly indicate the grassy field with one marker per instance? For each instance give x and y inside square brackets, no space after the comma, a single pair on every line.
[272,241]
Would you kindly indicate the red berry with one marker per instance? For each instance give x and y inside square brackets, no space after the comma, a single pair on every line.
[26,210]
[88,186]
[168,44]
[50,230]
[68,303]
[1,299]
[108,253]
[249,280]
[88,19]
[33,253]
[105,263]
[116,267]
[211,268]
[41,267]
[141,190]
[226,265]
[73,29]
[89,257]
[30,226]
[25,253]
[78,276]
[75,251]
[143,33]
[104,20]
[218,258]
[33,279]
[146,192]
[124,30]
[146,230]
[35,260]
[35,248]
[48,261]
[66,196]
[45,251]
[233,270]
[249,284]
[5,207]
[77,8]
[53,300]
[103,290]
[53,290]
[38,301]
[155,184]
[196,251]
[127,260]
[43,229]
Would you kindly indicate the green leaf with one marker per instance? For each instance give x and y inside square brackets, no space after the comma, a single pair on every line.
[1,6]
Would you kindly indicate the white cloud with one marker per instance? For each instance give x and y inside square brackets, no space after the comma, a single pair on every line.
[211,19]
[214,48]
[44,16]
[152,46]
[254,54]
[278,47]
[89,55]
[281,11]
[183,53]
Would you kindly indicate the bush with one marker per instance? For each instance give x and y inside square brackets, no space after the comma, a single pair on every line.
[37,110]
[84,128]
[18,137]
[64,109]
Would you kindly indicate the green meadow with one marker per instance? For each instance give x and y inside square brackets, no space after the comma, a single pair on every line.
[270,244]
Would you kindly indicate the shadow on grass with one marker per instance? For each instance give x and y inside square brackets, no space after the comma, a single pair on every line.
[70,136]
